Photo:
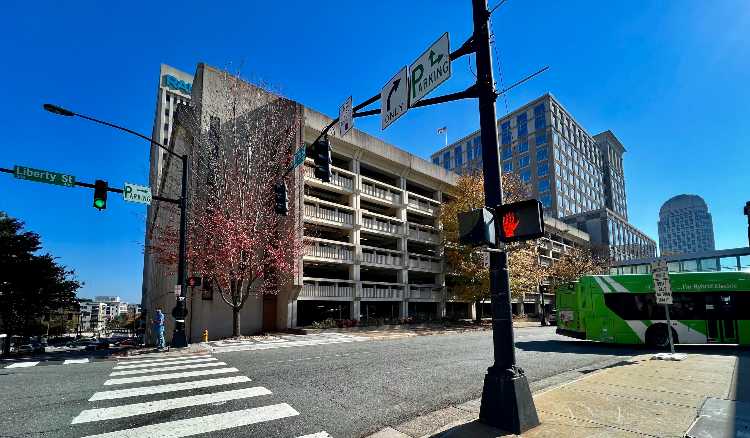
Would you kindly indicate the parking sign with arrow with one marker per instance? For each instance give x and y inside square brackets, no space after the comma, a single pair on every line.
[431,69]
[394,99]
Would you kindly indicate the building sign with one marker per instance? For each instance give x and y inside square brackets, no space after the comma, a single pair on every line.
[177,84]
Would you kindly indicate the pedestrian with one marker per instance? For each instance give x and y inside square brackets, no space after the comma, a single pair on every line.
[159,328]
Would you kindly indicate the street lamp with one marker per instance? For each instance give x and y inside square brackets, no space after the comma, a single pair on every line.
[179,339]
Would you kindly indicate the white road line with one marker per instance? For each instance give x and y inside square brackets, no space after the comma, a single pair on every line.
[167,368]
[132,360]
[169,387]
[22,365]
[322,434]
[172,362]
[70,361]
[134,409]
[284,345]
[205,424]
[152,378]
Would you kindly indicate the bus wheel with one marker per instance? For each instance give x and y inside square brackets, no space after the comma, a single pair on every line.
[657,336]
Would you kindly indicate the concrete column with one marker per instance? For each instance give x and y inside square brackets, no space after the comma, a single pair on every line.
[291,314]
[355,310]
[404,309]
[473,310]
[441,309]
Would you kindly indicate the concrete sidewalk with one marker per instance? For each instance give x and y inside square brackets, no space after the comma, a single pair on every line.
[637,397]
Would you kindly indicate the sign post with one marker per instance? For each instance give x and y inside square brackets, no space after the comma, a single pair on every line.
[663,290]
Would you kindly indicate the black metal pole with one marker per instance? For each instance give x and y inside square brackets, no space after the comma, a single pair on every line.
[747,213]
[179,338]
[544,311]
[506,397]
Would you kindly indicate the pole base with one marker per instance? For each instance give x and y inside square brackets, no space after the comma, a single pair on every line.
[507,403]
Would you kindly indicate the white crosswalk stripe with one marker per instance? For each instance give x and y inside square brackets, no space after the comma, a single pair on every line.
[22,365]
[129,365]
[152,378]
[70,361]
[131,410]
[140,359]
[206,424]
[169,387]
[210,392]
[168,368]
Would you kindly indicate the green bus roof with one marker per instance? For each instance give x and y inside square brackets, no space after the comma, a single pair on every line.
[680,282]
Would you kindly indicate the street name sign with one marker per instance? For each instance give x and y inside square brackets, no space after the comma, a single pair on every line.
[662,286]
[137,194]
[346,117]
[299,156]
[394,99]
[430,70]
[44,176]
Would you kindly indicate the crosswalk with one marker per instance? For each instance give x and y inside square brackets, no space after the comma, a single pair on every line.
[146,390]
[282,341]
[33,363]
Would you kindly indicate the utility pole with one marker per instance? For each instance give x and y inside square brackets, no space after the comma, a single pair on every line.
[506,397]
[747,213]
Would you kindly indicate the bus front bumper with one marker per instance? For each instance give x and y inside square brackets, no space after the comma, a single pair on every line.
[570,333]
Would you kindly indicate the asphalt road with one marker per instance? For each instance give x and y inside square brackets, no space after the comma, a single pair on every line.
[347,390]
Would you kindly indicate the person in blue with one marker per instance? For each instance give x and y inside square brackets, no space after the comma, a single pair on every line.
[159,328]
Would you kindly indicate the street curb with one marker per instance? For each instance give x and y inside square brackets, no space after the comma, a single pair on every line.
[472,406]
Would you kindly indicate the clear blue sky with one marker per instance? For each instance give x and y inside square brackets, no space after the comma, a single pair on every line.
[668,78]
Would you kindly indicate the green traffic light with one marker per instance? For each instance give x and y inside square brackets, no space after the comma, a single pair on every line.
[99,203]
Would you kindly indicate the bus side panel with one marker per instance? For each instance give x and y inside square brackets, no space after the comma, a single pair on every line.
[743,331]
[598,328]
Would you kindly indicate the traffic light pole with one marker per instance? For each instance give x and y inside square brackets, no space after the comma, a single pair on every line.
[506,397]
[179,338]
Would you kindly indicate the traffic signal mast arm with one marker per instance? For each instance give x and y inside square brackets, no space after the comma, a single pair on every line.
[109,189]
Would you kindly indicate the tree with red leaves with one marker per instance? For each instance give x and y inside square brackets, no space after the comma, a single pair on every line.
[236,241]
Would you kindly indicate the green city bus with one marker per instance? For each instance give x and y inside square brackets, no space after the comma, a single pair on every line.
[709,307]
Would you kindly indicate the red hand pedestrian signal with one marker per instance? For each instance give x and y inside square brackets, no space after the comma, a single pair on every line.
[510,223]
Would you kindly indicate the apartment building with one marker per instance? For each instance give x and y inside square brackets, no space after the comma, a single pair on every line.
[372,246]
[93,316]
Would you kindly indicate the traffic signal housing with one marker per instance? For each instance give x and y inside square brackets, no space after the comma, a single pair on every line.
[281,199]
[521,220]
[321,154]
[100,194]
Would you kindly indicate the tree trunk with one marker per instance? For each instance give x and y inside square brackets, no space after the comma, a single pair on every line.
[236,321]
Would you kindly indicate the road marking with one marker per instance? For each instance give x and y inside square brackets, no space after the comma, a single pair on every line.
[169,387]
[167,368]
[322,434]
[131,360]
[134,409]
[206,424]
[22,365]
[221,349]
[70,361]
[151,378]
[172,362]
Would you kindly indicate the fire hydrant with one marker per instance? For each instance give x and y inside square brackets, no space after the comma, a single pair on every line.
[205,335]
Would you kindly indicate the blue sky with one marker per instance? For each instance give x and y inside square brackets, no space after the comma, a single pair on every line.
[668,78]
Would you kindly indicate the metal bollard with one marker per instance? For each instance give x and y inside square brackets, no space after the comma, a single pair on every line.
[205,335]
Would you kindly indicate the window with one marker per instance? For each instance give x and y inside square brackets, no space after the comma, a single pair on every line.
[508,166]
[542,169]
[507,152]
[522,129]
[447,159]
[541,153]
[526,175]
[459,156]
[539,117]
[505,133]
[541,138]
[546,200]
[543,185]
[523,161]
[436,161]
[523,147]
[469,151]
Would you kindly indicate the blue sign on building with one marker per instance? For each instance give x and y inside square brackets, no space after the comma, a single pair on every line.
[176,84]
